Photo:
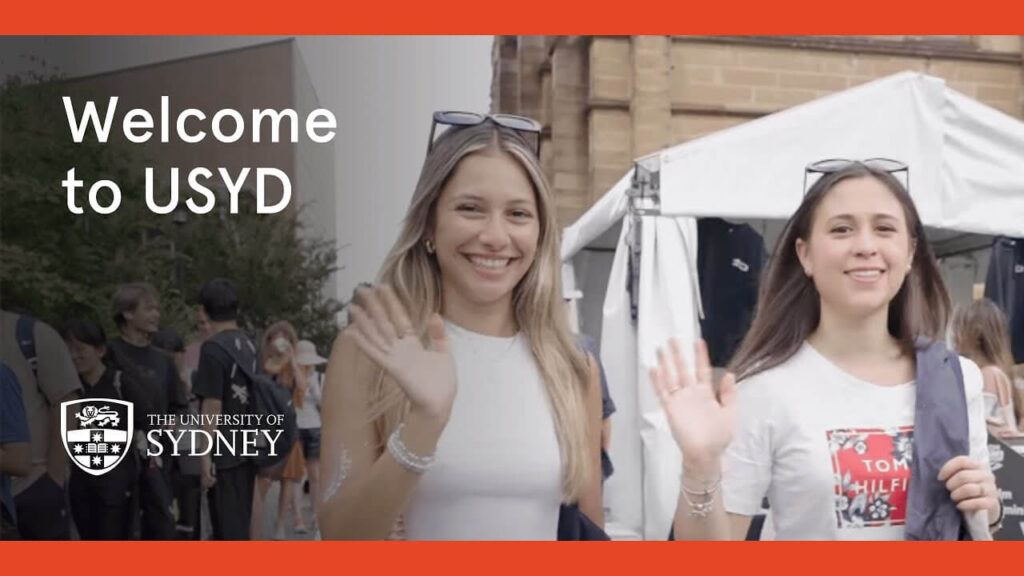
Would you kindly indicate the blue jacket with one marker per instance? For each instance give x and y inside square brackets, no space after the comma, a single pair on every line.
[941,432]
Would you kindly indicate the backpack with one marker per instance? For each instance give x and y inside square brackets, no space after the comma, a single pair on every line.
[268,398]
[25,334]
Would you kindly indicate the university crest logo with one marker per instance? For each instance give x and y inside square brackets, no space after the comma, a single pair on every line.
[96,432]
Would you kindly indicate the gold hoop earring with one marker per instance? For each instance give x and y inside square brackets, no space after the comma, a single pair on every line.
[429,245]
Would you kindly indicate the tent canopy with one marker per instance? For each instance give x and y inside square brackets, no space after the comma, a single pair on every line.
[966,160]
[966,174]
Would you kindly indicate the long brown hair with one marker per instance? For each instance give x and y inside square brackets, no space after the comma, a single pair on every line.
[536,300]
[789,306]
[981,332]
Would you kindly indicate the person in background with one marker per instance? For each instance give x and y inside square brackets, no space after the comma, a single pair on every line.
[308,420]
[607,407]
[980,333]
[607,404]
[203,331]
[103,507]
[15,450]
[136,308]
[40,361]
[278,353]
[184,471]
[228,479]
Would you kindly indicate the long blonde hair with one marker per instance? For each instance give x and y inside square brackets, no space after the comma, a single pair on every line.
[537,302]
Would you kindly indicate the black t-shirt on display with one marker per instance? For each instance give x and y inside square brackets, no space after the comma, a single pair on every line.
[730,258]
[1004,285]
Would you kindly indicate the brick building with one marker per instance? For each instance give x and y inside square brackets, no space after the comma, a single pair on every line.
[607,100]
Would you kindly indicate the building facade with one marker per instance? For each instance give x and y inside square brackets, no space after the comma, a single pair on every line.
[264,76]
[605,101]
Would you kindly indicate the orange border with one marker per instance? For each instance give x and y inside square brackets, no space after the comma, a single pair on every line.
[513,17]
[123,17]
[499,558]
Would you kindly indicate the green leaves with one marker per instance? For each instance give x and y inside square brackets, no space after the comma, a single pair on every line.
[57,265]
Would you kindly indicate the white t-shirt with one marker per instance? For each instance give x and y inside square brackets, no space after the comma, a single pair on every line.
[498,473]
[308,415]
[830,451]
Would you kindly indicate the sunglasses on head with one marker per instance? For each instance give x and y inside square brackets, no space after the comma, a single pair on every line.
[520,124]
[831,165]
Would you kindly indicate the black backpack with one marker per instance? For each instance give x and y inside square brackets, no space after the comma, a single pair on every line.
[25,333]
[268,398]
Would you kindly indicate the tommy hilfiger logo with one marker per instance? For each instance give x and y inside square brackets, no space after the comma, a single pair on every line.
[96,432]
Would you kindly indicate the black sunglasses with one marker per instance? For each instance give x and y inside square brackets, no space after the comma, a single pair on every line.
[830,165]
[520,124]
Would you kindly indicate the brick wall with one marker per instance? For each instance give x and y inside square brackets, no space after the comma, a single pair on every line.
[767,79]
[613,99]
[568,145]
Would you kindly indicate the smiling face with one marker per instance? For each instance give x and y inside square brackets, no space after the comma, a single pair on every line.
[146,316]
[486,228]
[859,249]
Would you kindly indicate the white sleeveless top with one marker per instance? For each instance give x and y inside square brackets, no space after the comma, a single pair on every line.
[498,469]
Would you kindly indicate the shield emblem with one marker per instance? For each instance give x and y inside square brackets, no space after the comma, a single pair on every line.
[97,432]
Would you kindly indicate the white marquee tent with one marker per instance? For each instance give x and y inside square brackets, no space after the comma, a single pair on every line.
[966,174]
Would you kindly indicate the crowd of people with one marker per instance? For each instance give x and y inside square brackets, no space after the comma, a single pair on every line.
[151,497]
[459,404]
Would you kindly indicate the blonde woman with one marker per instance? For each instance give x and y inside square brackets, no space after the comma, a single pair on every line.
[457,400]
[278,358]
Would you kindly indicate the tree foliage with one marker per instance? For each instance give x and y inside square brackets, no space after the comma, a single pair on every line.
[56,265]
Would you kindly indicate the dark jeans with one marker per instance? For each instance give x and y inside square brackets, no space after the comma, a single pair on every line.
[43,511]
[102,513]
[230,501]
[188,493]
[155,498]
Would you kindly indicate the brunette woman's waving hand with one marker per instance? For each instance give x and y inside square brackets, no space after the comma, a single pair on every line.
[702,422]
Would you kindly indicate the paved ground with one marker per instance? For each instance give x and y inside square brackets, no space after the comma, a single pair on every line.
[269,517]
[270,513]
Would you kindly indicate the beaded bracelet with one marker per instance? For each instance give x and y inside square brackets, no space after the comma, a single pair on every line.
[411,462]
[707,504]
